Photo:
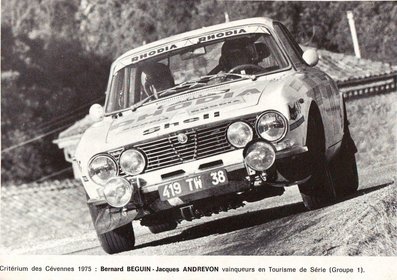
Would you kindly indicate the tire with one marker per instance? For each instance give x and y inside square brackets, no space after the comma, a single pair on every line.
[319,190]
[346,181]
[344,165]
[117,240]
[163,227]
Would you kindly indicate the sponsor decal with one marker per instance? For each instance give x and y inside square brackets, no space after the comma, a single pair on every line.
[171,47]
[189,42]
[189,120]
[295,109]
[221,34]
[297,123]
[153,53]
[200,105]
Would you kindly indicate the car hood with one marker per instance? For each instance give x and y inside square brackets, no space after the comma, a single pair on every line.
[184,111]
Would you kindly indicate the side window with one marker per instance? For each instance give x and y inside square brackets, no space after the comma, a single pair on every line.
[117,89]
[292,47]
[122,89]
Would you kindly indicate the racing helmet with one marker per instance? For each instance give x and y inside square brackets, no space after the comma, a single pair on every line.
[237,52]
[156,77]
[262,50]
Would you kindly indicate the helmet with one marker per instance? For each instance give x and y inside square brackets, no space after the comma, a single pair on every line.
[242,51]
[262,50]
[156,77]
[237,52]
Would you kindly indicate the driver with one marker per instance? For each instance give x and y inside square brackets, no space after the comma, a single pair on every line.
[155,77]
[241,51]
[237,52]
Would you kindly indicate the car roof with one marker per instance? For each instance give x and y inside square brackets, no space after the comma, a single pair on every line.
[194,33]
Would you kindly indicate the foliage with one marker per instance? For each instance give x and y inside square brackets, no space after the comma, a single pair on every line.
[372,129]
[56,54]
[36,76]
[113,27]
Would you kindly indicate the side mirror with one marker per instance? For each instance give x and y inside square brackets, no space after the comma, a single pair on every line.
[310,56]
[96,112]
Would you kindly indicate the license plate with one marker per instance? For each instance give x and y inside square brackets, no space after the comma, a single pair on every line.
[193,184]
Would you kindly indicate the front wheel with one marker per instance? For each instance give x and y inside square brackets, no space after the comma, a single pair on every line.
[345,167]
[319,190]
[118,240]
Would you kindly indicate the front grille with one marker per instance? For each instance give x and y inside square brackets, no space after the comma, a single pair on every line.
[168,151]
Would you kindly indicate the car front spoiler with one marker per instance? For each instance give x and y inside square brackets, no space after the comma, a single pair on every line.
[109,219]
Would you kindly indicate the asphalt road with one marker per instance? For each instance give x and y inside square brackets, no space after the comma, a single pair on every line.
[274,226]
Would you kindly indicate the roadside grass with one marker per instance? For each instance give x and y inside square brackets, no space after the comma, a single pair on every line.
[374,230]
[374,129]
[382,240]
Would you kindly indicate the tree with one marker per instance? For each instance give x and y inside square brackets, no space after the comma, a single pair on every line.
[111,28]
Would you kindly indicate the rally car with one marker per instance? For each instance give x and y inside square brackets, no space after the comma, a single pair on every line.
[207,120]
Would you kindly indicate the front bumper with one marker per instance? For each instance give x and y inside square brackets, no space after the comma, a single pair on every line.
[231,161]
[148,201]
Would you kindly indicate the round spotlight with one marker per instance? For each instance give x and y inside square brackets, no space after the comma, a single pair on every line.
[132,162]
[239,134]
[260,156]
[118,192]
[272,126]
[101,168]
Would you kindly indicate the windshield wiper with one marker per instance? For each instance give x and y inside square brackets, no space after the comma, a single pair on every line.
[184,85]
[189,84]
[141,103]
[243,76]
[203,80]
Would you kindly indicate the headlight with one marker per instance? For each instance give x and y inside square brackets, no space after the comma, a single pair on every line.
[260,156]
[118,192]
[101,168]
[132,162]
[239,134]
[272,126]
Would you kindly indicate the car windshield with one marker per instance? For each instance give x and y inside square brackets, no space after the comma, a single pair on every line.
[207,63]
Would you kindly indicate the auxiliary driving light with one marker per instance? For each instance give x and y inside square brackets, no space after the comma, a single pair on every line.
[260,156]
[118,192]
[239,134]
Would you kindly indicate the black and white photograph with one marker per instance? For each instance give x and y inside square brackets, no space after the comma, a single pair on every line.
[158,128]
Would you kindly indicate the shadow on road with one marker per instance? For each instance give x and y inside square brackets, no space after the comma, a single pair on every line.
[246,220]
[367,190]
[229,224]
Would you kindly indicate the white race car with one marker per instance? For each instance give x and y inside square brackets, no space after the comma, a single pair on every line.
[207,120]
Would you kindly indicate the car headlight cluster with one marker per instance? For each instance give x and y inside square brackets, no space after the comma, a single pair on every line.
[272,126]
[103,170]
[239,134]
[259,155]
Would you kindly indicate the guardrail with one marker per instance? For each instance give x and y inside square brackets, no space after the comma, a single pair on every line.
[366,86]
